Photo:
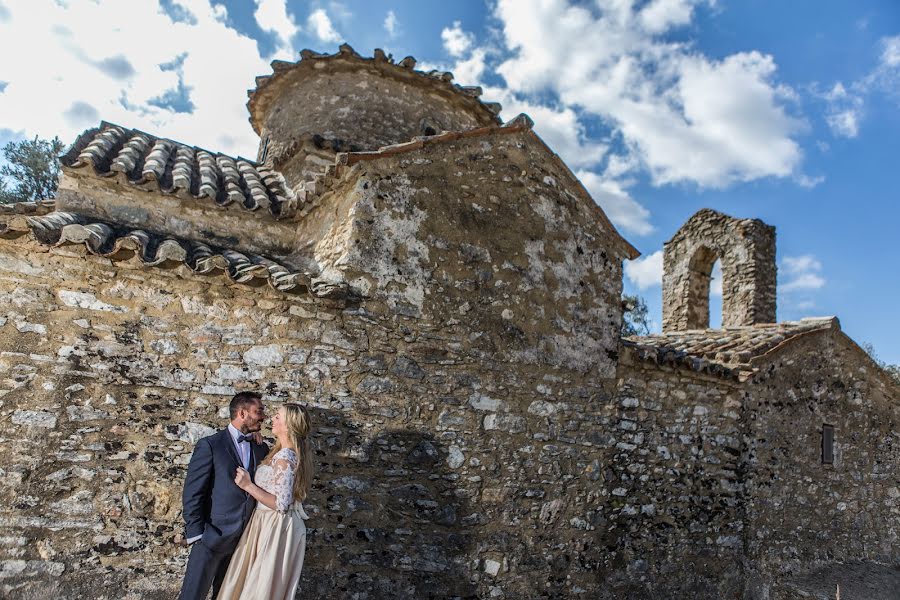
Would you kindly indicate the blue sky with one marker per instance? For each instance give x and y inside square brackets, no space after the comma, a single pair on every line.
[785,111]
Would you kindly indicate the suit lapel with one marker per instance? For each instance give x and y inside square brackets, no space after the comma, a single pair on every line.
[232,451]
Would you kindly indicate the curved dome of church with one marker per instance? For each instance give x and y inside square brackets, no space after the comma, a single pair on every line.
[347,102]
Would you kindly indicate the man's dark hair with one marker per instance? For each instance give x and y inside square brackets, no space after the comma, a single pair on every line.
[243,400]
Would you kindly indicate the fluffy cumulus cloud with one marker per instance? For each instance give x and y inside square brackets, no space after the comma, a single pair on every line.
[191,88]
[844,111]
[320,24]
[625,212]
[390,24]
[685,117]
[801,273]
[646,271]
[890,52]
[272,16]
[845,105]
[456,41]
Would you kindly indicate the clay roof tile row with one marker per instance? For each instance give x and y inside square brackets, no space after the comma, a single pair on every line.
[113,241]
[725,352]
[162,165]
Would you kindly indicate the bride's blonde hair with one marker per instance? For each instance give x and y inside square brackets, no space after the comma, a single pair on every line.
[297,423]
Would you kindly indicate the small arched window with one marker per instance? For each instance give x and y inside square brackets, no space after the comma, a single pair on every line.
[827,444]
[700,275]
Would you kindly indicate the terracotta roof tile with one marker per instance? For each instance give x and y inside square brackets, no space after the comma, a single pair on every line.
[726,352]
[162,165]
[103,239]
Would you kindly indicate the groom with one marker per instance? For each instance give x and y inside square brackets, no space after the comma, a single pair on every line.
[215,509]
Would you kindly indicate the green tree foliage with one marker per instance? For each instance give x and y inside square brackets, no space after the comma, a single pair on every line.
[636,321]
[892,370]
[32,170]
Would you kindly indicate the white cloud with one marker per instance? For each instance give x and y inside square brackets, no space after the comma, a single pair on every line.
[685,117]
[715,284]
[560,127]
[805,281]
[802,273]
[456,41]
[845,105]
[844,111]
[890,51]
[660,15]
[619,206]
[801,264]
[88,70]
[320,24]
[390,24]
[645,272]
[272,16]
[470,70]
[808,181]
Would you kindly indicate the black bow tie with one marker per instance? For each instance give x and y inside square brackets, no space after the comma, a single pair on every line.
[244,438]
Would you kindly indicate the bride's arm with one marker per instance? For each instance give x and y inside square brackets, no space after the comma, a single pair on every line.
[242,479]
[283,483]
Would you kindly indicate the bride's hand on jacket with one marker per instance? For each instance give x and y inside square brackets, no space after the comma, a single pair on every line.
[242,478]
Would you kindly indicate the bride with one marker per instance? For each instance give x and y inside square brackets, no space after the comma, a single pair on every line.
[267,562]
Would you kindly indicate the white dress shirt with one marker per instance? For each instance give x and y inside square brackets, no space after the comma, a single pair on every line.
[243,449]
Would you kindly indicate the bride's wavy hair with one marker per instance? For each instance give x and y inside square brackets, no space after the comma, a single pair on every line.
[297,422]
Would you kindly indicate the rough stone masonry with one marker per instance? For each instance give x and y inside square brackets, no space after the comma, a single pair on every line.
[445,295]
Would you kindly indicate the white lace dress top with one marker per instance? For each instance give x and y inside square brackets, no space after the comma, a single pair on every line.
[277,478]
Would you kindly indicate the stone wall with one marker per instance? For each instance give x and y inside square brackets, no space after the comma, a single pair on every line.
[480,431]
[804,514]
[676,520]
[487,232]
[454,418]
[442,471]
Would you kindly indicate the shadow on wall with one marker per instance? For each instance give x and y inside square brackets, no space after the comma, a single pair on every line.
[389,519]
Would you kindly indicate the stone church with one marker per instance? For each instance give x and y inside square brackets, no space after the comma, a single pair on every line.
[444,294]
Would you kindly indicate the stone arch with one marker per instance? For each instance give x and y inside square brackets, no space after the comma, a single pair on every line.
[699,276]
[746,249]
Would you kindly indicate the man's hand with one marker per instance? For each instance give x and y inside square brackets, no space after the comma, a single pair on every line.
[242,478]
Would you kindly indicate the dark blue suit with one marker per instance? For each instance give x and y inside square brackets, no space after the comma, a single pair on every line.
[216,508]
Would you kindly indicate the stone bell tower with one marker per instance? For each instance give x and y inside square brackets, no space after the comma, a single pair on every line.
[746,249]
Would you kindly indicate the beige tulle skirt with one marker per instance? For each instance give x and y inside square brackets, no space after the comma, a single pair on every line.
[267,562]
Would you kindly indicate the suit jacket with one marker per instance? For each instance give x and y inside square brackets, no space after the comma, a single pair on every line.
[214,506]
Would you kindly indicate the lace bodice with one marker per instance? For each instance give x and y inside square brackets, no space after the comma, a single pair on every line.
[277,478]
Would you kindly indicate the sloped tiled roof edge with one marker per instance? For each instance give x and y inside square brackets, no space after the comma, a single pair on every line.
[840,334]
[733,352]
[441,82]
[103,239]
[156,164]
[663,356]
[519,124]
